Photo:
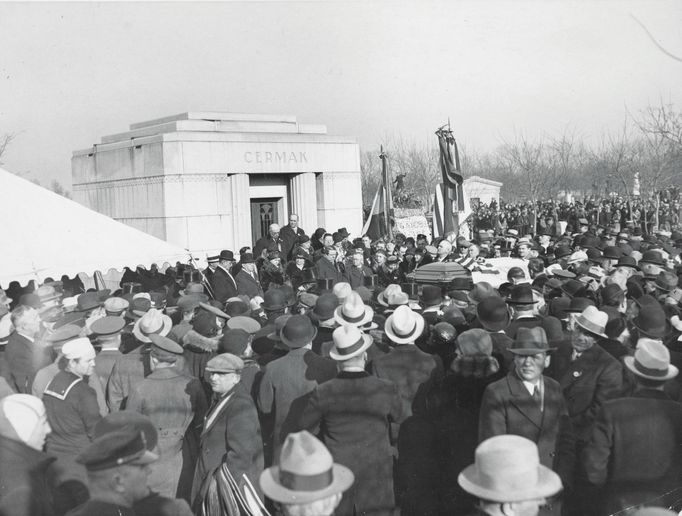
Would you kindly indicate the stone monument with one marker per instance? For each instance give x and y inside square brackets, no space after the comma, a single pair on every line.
[209,181]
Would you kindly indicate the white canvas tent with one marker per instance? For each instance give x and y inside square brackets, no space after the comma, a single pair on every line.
[46,235]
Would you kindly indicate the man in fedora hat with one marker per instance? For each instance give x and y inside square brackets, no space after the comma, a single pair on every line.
[175,402]
[132,367]
[588,374]
[531,405]
[307,480]
[634,454]
[508,478]
[523,304]
[352,412]
[223,283]
[231,431]
[416,375]
[288,380]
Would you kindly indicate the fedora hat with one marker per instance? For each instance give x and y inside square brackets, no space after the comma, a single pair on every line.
[297,332]
[390,291]
[593,321]
[612,252]
[651,361]
[87,301]
[274,299]
[349,342]
[431,295]
[324,309]
[342,290]
[152,321]
[507,469]
[627,261]
[138,307]
[530,341]
[482,290]
[578,304]
[653,257]
[493,313]
[521,295]
[573,288]
[404,325]
[666,281]
[306,472]
[226,254]
[353,311]
[651,321]
[277,330]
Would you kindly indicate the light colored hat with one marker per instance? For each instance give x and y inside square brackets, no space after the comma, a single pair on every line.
[242,322]
[390,291]
[152,321]
[23,412]
[404,326]
[593,320]
[116,305]
[306,472]
[69,304]
[577,257]
[143,295]
[353,311]
[349,342]
[507,469]
[342,290]
[78,348]
[651,361]
[225,363]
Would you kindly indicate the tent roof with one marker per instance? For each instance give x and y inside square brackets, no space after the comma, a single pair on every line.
[46,235]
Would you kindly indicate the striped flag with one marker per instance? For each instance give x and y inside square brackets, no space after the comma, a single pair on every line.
[439,215]
[450,167]
[375,225]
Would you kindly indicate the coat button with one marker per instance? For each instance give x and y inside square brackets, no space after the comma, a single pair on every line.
[552,454]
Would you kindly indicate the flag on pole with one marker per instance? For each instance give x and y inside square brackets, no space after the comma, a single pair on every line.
[378,223]
[439,216]
[452,193]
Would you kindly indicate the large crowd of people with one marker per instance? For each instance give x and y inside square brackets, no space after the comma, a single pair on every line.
[319,374]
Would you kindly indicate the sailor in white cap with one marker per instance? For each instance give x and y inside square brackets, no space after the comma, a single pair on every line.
[73,412]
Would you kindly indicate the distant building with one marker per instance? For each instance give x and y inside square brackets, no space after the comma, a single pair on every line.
[482,191]
[209,181]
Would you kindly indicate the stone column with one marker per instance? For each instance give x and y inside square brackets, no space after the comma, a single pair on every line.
[241,211]
[339,201]
[304,200]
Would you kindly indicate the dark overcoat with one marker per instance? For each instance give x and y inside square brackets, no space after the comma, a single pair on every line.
[635,451]
[352,414]
[284,390]
[328,270]
[224,285]
[587,382]
[355,276]
[24,360]
[231,436]
[288,237]
[247,285]
[508,408]
[23,481]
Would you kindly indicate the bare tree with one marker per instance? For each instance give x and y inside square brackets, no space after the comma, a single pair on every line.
[5,140]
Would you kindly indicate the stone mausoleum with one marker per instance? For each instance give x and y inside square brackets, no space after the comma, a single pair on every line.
[208,181]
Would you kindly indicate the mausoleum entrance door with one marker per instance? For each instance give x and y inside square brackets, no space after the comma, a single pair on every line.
[263,213]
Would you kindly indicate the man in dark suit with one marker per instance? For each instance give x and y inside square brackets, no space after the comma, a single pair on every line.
[288,381]
[224,285]
[270,242]
[635,451]
[356,272]
[231,432]
[327,267]
[353,412]
[289,235]
[588,375]
[531,405]
[247,280]
[25,357]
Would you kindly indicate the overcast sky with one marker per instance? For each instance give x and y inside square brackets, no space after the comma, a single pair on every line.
[71,73]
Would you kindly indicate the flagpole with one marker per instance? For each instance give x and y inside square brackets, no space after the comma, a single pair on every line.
[387,193]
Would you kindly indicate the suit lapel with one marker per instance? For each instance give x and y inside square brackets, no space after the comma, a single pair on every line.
[577,368]
[523,401]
